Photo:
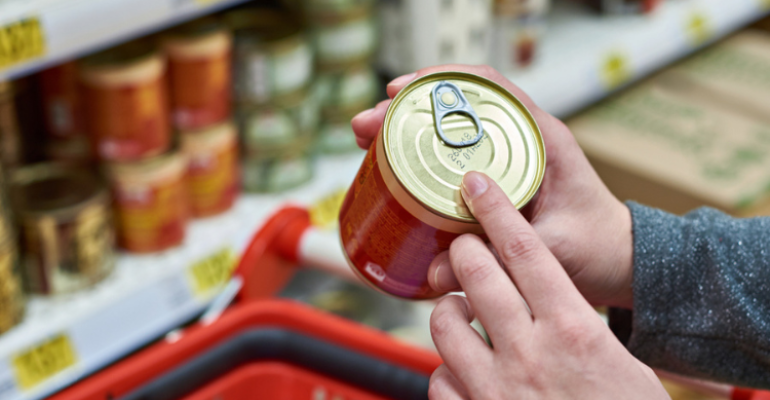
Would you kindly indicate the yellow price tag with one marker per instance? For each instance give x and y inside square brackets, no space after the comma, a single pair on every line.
[615,70]
[213,271]
[698,28]
[21,41]
[325,212]
[43,361]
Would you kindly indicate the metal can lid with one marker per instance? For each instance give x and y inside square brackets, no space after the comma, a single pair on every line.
[509,149]
[136,61]
[55,190]
[204,37]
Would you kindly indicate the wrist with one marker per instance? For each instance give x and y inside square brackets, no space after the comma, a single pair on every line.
[622,260]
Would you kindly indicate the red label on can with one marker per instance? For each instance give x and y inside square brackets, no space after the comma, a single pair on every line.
[153,217]
[200,91]
[387,245]
[128,122]
[212,180]
[60,101]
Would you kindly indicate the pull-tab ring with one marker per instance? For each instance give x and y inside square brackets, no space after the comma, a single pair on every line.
[449,99]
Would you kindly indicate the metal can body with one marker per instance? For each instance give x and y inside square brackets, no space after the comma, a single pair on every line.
[283,171]
[404,207]
[199,74]
[67,233]
[269,130]
[61,101]
[212,169]
[124,93]
[343,95]
[273,61]
[11,153]
[343,40]
[12,302]
[151,203]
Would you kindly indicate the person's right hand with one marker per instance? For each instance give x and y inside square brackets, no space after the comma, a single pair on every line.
[554,347]
[581,222]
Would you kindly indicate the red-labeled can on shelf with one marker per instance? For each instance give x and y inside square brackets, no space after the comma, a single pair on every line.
[124,102]
[405,207]
[212,170]
[61,101]
[151,203]
[199,73]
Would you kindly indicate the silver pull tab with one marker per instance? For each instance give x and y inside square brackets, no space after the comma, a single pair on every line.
[449,99]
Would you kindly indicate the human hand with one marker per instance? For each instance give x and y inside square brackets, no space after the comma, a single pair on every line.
[579,220]
[560,349]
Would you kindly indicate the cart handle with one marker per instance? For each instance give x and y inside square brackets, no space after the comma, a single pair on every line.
[375,375]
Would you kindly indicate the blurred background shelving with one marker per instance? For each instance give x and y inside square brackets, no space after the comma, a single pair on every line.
[292,116]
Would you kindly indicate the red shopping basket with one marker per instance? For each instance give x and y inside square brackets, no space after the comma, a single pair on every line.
[278,380]
[289,349]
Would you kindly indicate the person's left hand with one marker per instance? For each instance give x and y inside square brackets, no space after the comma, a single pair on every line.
[556,348]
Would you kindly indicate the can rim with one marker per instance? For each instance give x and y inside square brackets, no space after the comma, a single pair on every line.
[534,187]
[42,171]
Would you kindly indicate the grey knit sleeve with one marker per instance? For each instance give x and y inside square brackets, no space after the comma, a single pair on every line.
[702,295]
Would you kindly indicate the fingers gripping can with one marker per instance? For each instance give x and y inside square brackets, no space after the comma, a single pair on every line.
[405,207]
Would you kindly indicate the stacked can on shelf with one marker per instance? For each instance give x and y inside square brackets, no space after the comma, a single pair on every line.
[10,129]
[11,294]
[66,227]
[199,55]
[62,113]
[277,112]
[344,37]
[126,116]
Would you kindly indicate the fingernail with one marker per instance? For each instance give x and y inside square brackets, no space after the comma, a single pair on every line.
[363,114]
[474,185]
[442,280]
[403,79]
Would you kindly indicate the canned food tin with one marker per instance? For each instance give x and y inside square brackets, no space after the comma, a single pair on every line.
[273,61]
[66,227]
[10,131]
[267,130]
[125,95]
[199,73]
[212,169]
[61,101]
[344,39]
[281,172]
[336,136]
[12,302]
[347,92]
[151,203]
[404,206]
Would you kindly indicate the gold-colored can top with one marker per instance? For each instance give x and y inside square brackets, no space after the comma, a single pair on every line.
[510,150]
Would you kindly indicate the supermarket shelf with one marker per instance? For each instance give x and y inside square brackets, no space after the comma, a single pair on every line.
[72,28]
[584,56]
[146,296]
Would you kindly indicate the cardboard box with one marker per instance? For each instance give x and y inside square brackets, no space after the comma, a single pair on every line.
[664,147]
[734,74]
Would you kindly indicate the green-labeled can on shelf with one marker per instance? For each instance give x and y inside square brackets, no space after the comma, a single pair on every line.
[283,171]
[347,92]
[272,59]
[268,130]
[345,39]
